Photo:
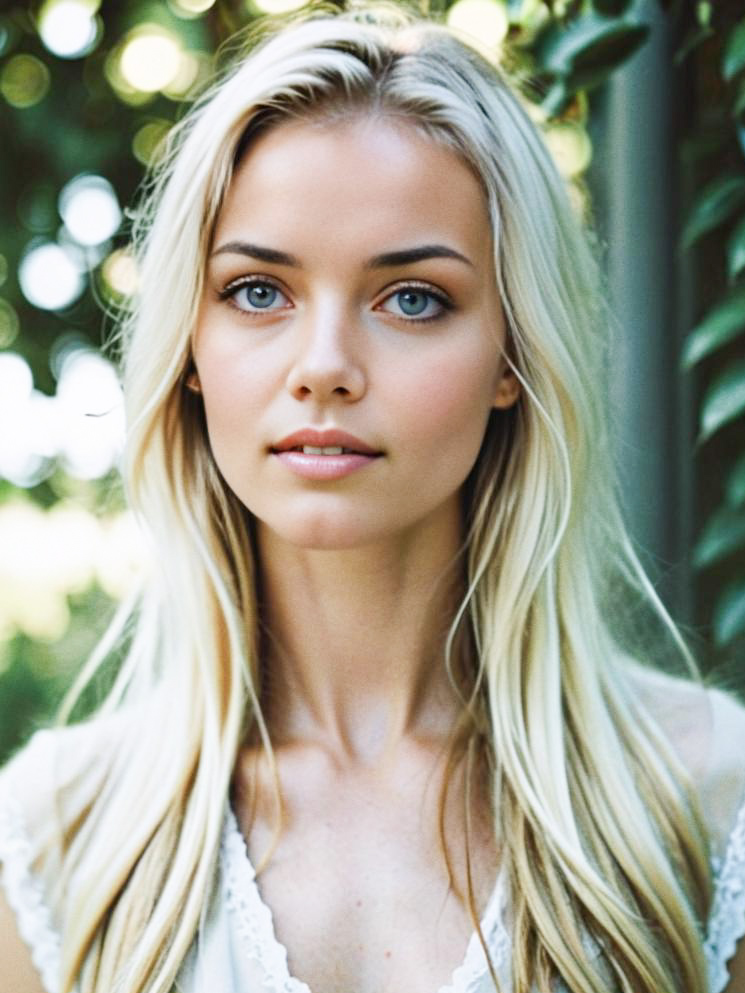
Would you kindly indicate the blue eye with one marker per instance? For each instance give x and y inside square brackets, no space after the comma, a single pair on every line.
[256,296]
[415,303]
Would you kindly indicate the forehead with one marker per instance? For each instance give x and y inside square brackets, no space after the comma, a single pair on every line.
[359,180]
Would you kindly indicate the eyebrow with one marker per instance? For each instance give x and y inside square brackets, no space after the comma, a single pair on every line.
[271,255]
[387,260]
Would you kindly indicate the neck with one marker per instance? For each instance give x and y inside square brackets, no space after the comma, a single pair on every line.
[354,646]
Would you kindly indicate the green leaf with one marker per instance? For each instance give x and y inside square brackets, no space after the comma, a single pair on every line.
[720,325]
[695,37]
[703,13]
[729,613]
[724,400]
[735,485]
[589,46]
[734,51]
[736,250]
[556,99]
[739,105]
[724,533]
[714,204]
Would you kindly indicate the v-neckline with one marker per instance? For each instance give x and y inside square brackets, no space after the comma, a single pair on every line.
[256,923]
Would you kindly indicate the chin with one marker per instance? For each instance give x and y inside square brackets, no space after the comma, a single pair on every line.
[322,532]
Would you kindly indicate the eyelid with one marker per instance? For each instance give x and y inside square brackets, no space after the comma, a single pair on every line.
[254,278]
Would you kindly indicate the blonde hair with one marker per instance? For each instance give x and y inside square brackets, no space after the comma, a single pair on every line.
[544,688]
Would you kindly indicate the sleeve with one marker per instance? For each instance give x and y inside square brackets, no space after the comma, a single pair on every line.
[723,802]
[22,886]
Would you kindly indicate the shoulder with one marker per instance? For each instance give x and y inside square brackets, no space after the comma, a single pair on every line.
[705,728]
[29,940]
[44,789]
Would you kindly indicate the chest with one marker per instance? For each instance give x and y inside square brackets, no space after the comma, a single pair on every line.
[358,884]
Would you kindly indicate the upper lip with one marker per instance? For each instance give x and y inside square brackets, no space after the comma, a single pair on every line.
[323,439]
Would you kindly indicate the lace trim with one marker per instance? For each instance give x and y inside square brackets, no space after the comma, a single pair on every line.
[255,925]
[253,917]
[727,918]
[25,895]
[469,977]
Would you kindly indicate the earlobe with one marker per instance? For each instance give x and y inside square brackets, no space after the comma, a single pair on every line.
[192,382]
[508,390]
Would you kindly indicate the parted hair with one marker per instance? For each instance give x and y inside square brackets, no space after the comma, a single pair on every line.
[542,674]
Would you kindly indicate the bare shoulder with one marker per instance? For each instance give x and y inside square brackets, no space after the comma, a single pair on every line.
[706,730]
[18,974]
[44,788]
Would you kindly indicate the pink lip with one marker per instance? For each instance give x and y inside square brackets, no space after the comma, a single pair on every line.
[323,467]
[324,439]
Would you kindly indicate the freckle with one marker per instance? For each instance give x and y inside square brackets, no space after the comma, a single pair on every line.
[387,955]
[359,903]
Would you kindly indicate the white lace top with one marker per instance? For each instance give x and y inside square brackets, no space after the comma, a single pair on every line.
[237,951]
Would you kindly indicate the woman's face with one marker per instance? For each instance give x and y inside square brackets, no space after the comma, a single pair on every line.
[349,340]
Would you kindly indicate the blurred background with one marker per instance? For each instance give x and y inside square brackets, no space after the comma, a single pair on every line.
[643,106]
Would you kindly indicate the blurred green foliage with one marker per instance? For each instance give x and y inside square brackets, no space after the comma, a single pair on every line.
[87,111]
[714,231]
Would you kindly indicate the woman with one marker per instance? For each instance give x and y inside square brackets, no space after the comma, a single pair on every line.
[377,666]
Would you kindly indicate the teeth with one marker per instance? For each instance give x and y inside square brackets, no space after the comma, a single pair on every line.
[327,450]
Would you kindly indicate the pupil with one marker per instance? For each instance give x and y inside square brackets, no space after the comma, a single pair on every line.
[262,295]
[413,303]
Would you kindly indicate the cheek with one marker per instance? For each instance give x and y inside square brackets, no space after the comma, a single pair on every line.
[450,399]
[234,384]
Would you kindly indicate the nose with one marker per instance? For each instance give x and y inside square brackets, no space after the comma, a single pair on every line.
[328,363]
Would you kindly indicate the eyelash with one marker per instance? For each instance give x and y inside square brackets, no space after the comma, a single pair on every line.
[230,291]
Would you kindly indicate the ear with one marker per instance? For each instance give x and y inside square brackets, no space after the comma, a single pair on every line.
[508,389]
[192,381]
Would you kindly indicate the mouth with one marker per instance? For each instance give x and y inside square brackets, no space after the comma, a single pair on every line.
[329,443]
[320,450]
[323,457]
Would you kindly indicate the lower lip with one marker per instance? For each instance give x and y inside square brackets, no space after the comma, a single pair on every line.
[323,466]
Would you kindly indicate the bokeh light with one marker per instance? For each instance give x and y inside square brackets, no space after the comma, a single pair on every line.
[150,59]
[191,68]
[18,463]
[486,21]
[49,277]
[278,6]
[90,412]
[80,428]
[90,209]
[148,142]
[16,380]
[570,147]
[69,28]
[50,554]
[9,324]
[190,8]
[119,272]
[24,81]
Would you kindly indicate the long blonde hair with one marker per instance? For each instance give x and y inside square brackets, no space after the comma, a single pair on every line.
[574,761]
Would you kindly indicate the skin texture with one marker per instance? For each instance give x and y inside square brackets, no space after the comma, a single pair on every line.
[357,573]
[18,972]
[335,351]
